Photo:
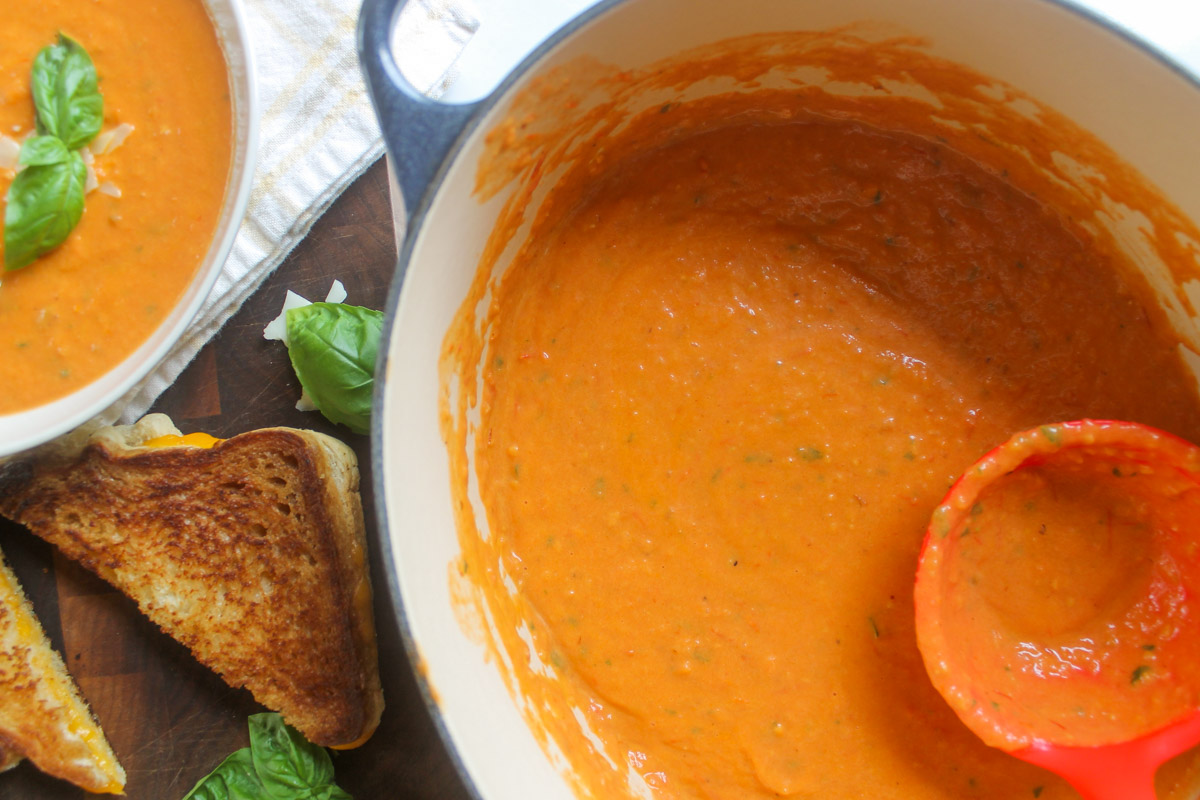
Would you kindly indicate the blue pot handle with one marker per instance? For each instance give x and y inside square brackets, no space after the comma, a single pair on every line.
[418,131]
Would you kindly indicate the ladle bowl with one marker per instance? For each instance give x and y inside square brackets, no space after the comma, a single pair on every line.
[1056,602]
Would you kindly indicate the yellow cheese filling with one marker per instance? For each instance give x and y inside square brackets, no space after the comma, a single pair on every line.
[202,440]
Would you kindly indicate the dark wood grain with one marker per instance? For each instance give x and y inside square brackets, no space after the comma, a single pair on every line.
[170,720]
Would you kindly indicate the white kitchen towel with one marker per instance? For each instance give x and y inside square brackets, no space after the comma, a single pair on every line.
[317,133]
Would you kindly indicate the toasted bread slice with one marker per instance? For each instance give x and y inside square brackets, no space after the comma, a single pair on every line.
[251,552]
[42,716]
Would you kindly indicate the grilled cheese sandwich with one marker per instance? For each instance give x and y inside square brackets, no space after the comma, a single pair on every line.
[42,716]
[249,550]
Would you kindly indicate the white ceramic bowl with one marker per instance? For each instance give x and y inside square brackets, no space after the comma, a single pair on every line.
[1145,108]
[27,429]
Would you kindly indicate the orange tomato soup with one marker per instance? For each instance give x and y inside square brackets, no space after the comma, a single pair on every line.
[1091,654]
[77,312]
[725,385]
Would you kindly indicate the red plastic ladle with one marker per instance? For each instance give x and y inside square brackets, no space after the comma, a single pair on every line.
[1057,599]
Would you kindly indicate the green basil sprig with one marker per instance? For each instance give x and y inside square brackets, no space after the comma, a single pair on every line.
[332,347]
[66,93]
[42,151]
[45,200]
[279,764]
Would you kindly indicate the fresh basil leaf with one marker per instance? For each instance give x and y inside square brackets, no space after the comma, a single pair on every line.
[288,765]
[332,347]
[39,151]
[66,93]
[234,779]
[45,202]
[279,764]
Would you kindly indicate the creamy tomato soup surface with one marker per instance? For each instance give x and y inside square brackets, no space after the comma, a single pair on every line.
[80,310]
[721,387]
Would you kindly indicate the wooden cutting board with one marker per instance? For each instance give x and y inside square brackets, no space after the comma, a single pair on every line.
[170,720]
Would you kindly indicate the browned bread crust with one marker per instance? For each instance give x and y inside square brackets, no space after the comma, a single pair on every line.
[251,553]
[8,758]
[42,716]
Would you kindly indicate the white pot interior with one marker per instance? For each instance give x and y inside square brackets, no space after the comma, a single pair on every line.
[1146,112]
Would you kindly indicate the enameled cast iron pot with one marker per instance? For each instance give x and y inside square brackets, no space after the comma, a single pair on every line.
[1142,106]
[101,399]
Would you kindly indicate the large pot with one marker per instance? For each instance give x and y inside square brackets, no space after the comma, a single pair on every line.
[1142,106]
[100,399]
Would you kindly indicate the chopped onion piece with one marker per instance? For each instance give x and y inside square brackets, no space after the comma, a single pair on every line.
[92,183]
[109,188]
[276,330]
[337,293]
[111,139]
[9,150]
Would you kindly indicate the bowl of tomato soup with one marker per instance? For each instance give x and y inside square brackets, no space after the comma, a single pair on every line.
[698,317]
[169,164]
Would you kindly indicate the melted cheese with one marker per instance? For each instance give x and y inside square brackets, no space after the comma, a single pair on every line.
[202,440]
[359,742]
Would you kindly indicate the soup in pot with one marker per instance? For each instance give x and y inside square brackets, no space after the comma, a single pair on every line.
[720,390]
